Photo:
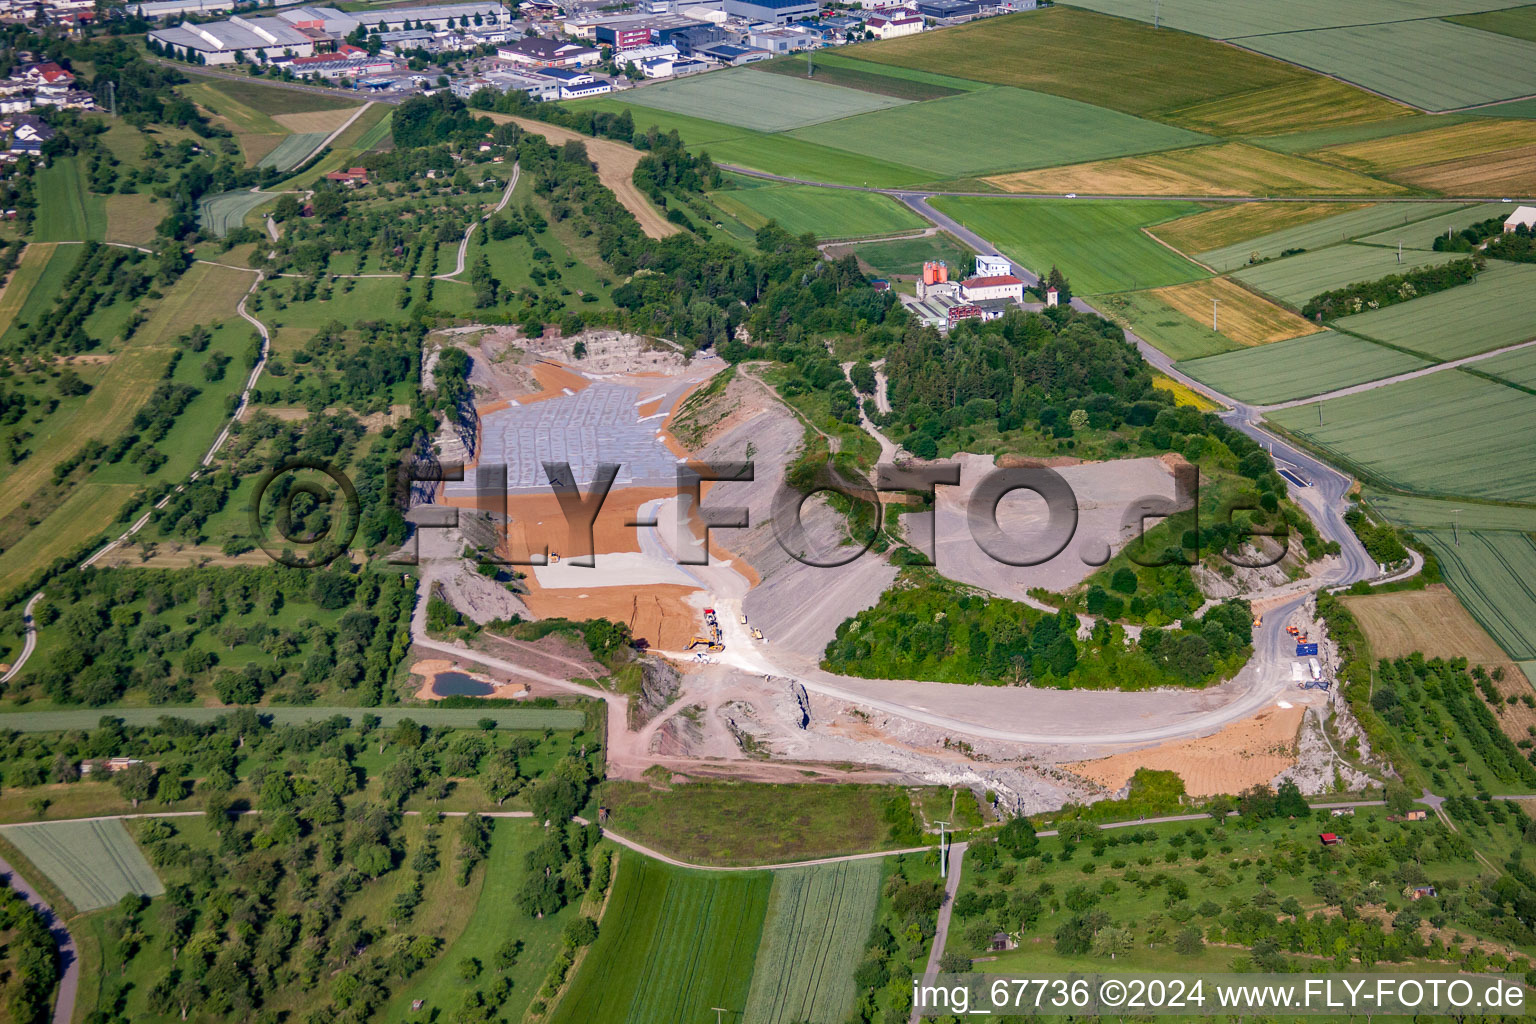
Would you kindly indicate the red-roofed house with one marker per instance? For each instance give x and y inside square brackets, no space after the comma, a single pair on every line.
[47,73]
[1002,286]
[350,176]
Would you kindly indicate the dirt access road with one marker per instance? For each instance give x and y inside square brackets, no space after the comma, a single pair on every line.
[616,164]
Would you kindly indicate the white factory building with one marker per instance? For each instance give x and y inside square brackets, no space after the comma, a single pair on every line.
[999,286]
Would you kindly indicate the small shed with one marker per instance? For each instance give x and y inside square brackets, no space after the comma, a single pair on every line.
[1001,942]
[1424,892]
[1329,839]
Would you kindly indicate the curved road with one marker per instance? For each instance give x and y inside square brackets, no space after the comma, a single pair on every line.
[69,956]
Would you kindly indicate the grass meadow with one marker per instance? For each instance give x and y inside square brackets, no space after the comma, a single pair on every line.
[672,944]
[23,281]
[1099,246]
[491,923]
[1497,308]
[825,213]
[906,256]
[1494,574]
[1519,22]
[1226,19]
[93,863]
[1268,235]
[1296,279]
[813,937]
[66,211]
[1451,434]
[292,150]
[830,69]
[1299,368]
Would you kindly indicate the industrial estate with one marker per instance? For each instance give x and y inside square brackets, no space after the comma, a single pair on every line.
[732,510]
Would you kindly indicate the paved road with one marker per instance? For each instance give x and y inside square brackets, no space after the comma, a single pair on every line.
[69,957]
[941,930]
[29,644]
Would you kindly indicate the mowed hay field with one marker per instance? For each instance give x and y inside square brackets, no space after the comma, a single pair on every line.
[93,863]
[1110,62]
[1448,433]
[1512,170]
[1240,314]
[749,99]
[133,216]
[19,285]
[1313,103]
[672,944]
[1400,152]
[66,211]
[1269,239]
[1022,129]
[1431,620]
[1494,574]
[1099,246]
[1230,223]
[1230,169]
[1299,368]
[1431,64]
[825,213]
[1498,308]
[1296,279]
[1174,333]
[813,939]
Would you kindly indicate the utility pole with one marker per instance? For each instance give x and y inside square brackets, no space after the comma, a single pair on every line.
[1157,12]
[718,1011]
[943,853]
[1399,250]
[1215,304]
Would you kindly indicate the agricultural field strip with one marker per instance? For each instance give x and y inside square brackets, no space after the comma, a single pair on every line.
[1296,279]
[1299,368]
[1434,65]
[757,102]
[1515,367]
[1229,19]
[1430,435]
[94,863]
[226,211]
[1495,310]
[1317,234]
[817,919]
[1494,574]
[292,150]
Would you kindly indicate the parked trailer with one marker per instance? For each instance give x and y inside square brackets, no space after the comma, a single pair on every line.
[1317,670]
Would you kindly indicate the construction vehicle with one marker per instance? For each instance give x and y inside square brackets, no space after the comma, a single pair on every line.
[757,634]
[1317,670]
[1292,630]
[553,558]
[743,620]
[1258,620]
[712,645]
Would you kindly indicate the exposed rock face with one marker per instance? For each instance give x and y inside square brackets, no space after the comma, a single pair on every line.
[659,685]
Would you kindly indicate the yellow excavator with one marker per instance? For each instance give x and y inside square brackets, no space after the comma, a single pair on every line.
[713,646]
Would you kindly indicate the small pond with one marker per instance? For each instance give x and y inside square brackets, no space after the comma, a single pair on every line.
[457,684]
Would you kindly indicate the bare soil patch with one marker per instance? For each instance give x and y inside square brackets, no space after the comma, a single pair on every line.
[1243,754]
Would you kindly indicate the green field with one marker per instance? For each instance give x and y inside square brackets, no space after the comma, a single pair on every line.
[93,863]
[1498,308]
[272,99]
[1175,335]
[1516,367]
[817,921]
[1431,64]
[43,287]
[747,99]
[1448,433]
[66,211]
[222,213]
[377,133]
[1494,574]
[1331,230]
[1298,368]
[1519,22]
[673,944]
[825,213]
[1421,232]
[459,718]
[1366,131]
[1226,19]
[1110,62]
[293,150]
[1296,279]
[1418,513]
[829,69]
[907,256]
[1024,130]
[1099,246]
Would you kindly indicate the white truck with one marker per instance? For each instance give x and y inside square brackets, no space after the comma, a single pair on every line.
[1317,670]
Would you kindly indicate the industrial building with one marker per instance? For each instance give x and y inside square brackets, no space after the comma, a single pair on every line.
[536,52]
[771,12]
[733,56]
[169,8]
[575,85]
[1001,286]
[784,40]
[948,10]
[538,86]
[895,24]
[993,266]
